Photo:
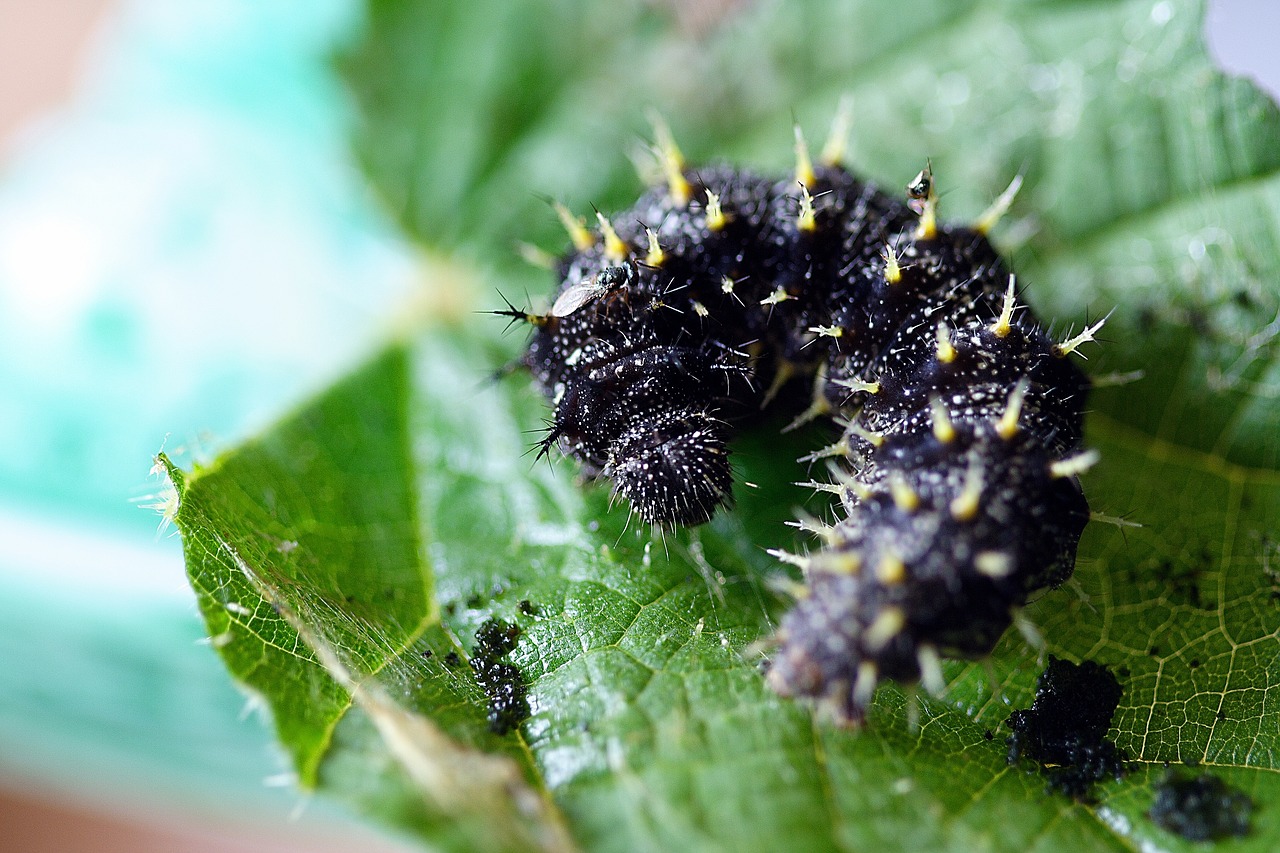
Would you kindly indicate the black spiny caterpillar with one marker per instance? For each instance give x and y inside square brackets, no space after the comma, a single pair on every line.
[723,291]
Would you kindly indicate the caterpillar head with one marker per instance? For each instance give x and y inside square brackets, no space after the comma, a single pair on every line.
[674,468]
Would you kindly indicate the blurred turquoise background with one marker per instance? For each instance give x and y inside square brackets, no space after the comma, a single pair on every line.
[185,249]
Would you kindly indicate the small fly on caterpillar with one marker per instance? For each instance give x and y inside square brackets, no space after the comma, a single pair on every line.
[574,298]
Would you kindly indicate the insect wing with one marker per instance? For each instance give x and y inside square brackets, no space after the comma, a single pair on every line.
[572,299]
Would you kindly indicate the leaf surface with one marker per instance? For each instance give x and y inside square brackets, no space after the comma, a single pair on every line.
[394,514]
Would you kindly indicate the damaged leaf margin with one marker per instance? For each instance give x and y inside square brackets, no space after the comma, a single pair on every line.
[312,621]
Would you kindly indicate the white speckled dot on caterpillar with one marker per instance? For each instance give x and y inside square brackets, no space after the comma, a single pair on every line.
[722,292]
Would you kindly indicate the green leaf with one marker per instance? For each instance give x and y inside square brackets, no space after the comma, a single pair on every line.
[312,583]
[395,513]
